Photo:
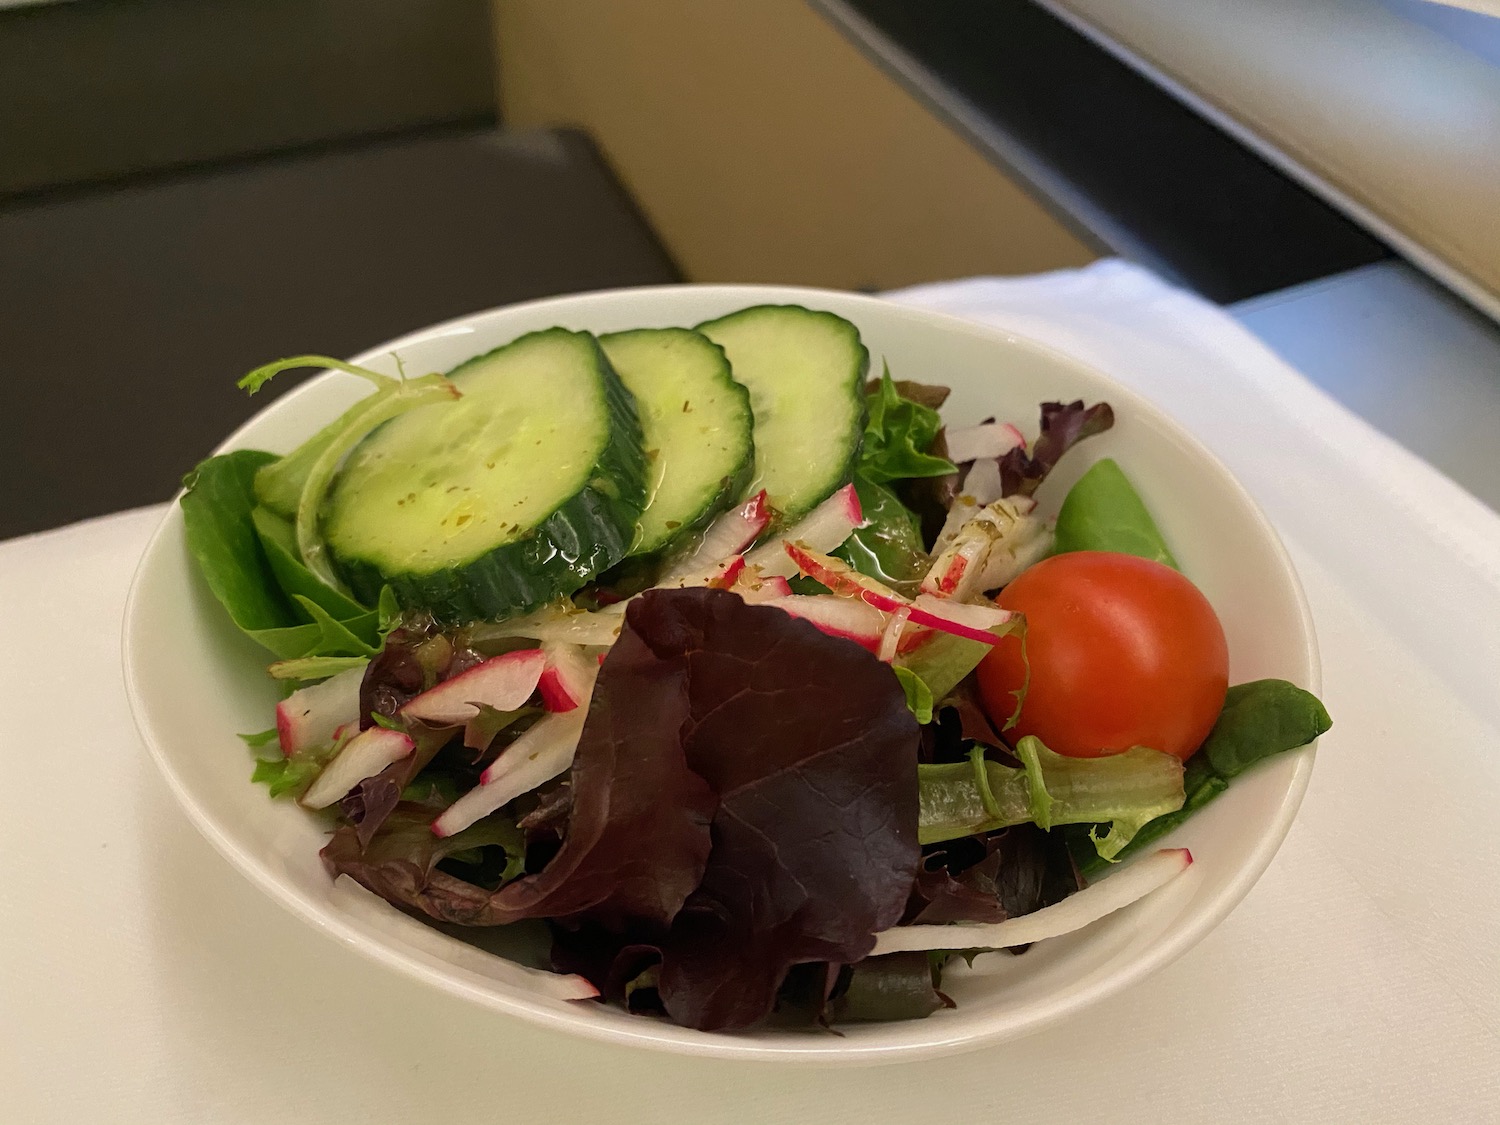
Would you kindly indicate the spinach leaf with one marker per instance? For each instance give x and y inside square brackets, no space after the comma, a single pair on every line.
[221,537]
[1103,512]
[246,569]
[278,538]
[895,986]
[1260,719]
[322,636]
[889,547]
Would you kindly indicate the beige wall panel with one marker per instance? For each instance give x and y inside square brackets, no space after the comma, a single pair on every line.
[764,147]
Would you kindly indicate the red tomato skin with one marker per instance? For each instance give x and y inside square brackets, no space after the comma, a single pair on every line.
[1124,652]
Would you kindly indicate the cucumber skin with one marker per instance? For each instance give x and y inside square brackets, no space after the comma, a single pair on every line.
[846,472]
[588,533]
[733,488]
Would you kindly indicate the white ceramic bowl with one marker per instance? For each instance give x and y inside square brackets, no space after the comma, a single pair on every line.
[194,682]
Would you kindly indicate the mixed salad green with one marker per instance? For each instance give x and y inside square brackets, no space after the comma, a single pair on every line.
[765,690]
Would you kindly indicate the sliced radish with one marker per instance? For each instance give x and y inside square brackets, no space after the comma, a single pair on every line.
[568,678]
[890,639]
[777,585]
[729,573]
[721,574]
[821,530]
[308,718]
[838,617]
[914,637]
[369,908]
[729,534]
[502,682]
[989,439]
[1072,913]
[983,484]
[539,755]
[962,619]
[948,572]
[981,488]
[994,545]
[754,588]
[843,579]
[364,755]
[1008,559]
[946,615]
[960,512]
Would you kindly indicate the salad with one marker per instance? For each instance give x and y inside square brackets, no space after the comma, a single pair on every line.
[765,691]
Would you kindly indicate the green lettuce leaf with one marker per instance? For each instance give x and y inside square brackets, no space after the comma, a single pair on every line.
[261,738]
[965,798]
[315,667]
[287,776]
[898,434]
[944,660]
[896,986]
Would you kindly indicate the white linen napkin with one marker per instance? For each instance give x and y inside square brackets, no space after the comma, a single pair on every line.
[143,980]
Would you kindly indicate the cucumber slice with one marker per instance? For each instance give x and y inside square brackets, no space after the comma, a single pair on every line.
[517,493]
[696,426]
[805,371]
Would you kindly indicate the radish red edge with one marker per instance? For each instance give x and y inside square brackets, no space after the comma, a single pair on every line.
[988,439]
[542,753]
[935,613]
[727,536]
[310,716]
[503,682]
[835,616]
[567,677]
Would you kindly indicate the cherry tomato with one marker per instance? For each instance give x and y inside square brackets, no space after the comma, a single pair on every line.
[1124,652]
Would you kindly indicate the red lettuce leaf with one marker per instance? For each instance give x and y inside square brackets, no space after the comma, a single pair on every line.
[1004,875]
[1063,426]
[638,829]
[400,862]
[812,751]
[413,658]
[744,799]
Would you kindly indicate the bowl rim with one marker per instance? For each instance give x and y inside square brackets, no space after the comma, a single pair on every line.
[652,1034]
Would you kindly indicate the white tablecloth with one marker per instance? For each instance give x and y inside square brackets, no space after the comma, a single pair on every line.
[142,980]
